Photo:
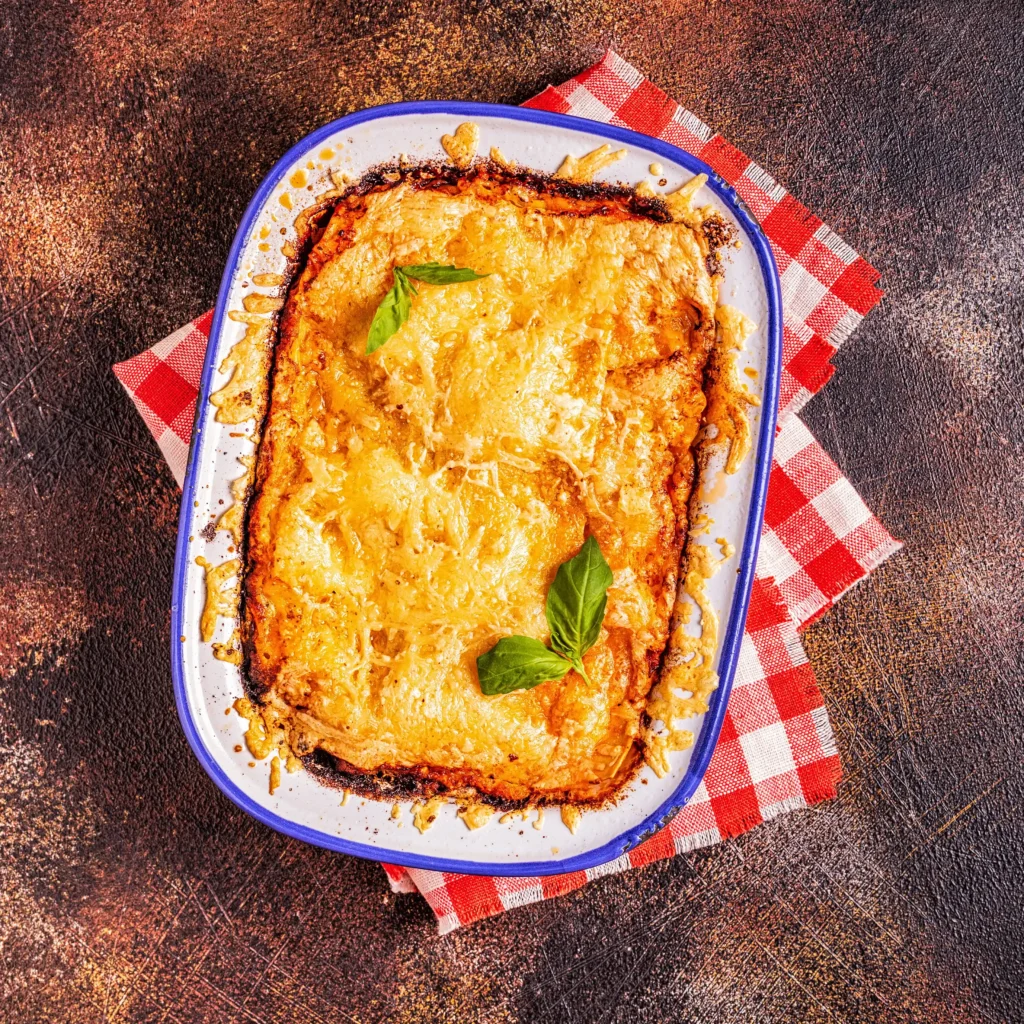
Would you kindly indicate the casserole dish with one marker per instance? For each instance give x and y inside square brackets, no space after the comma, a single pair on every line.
[205,686]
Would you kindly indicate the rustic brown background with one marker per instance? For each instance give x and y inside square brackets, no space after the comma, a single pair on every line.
[131,138]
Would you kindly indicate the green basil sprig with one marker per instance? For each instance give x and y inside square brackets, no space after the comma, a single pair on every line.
[577,602]
[518,663]
[395,306]
[575,607]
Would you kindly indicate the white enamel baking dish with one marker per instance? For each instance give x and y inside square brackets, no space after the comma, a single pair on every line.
[204,687]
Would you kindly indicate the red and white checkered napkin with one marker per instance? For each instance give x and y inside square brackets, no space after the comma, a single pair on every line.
[776,752]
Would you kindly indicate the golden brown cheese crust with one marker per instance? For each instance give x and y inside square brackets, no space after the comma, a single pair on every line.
[411,507]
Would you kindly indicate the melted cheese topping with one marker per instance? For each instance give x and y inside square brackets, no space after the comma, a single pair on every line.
[475,814]
[413,506]
[500,159]
[234,515]
[257,734]
[221,594]
[462,146]
[425,814]
[583,169]
[729,398]
[268,280]
[247,363]
[257,302]
[689,678]
[230,652]
[680,202]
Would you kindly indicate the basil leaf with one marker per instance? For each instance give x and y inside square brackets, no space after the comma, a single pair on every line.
[518,663]
[392,312]
[576,603]
[438,273]
[575,609]
[395,306]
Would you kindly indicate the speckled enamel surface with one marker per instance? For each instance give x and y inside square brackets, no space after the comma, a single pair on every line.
[131,139]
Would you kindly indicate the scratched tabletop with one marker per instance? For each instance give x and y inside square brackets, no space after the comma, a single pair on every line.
[131,139]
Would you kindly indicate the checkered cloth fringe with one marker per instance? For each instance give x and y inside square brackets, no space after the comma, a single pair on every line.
[776,752]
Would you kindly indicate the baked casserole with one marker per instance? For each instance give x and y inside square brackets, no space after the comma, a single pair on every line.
[412,506]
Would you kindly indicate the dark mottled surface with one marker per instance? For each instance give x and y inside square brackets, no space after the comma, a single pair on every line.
[131,137]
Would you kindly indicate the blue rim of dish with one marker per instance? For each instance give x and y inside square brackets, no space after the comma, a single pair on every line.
[730,645]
